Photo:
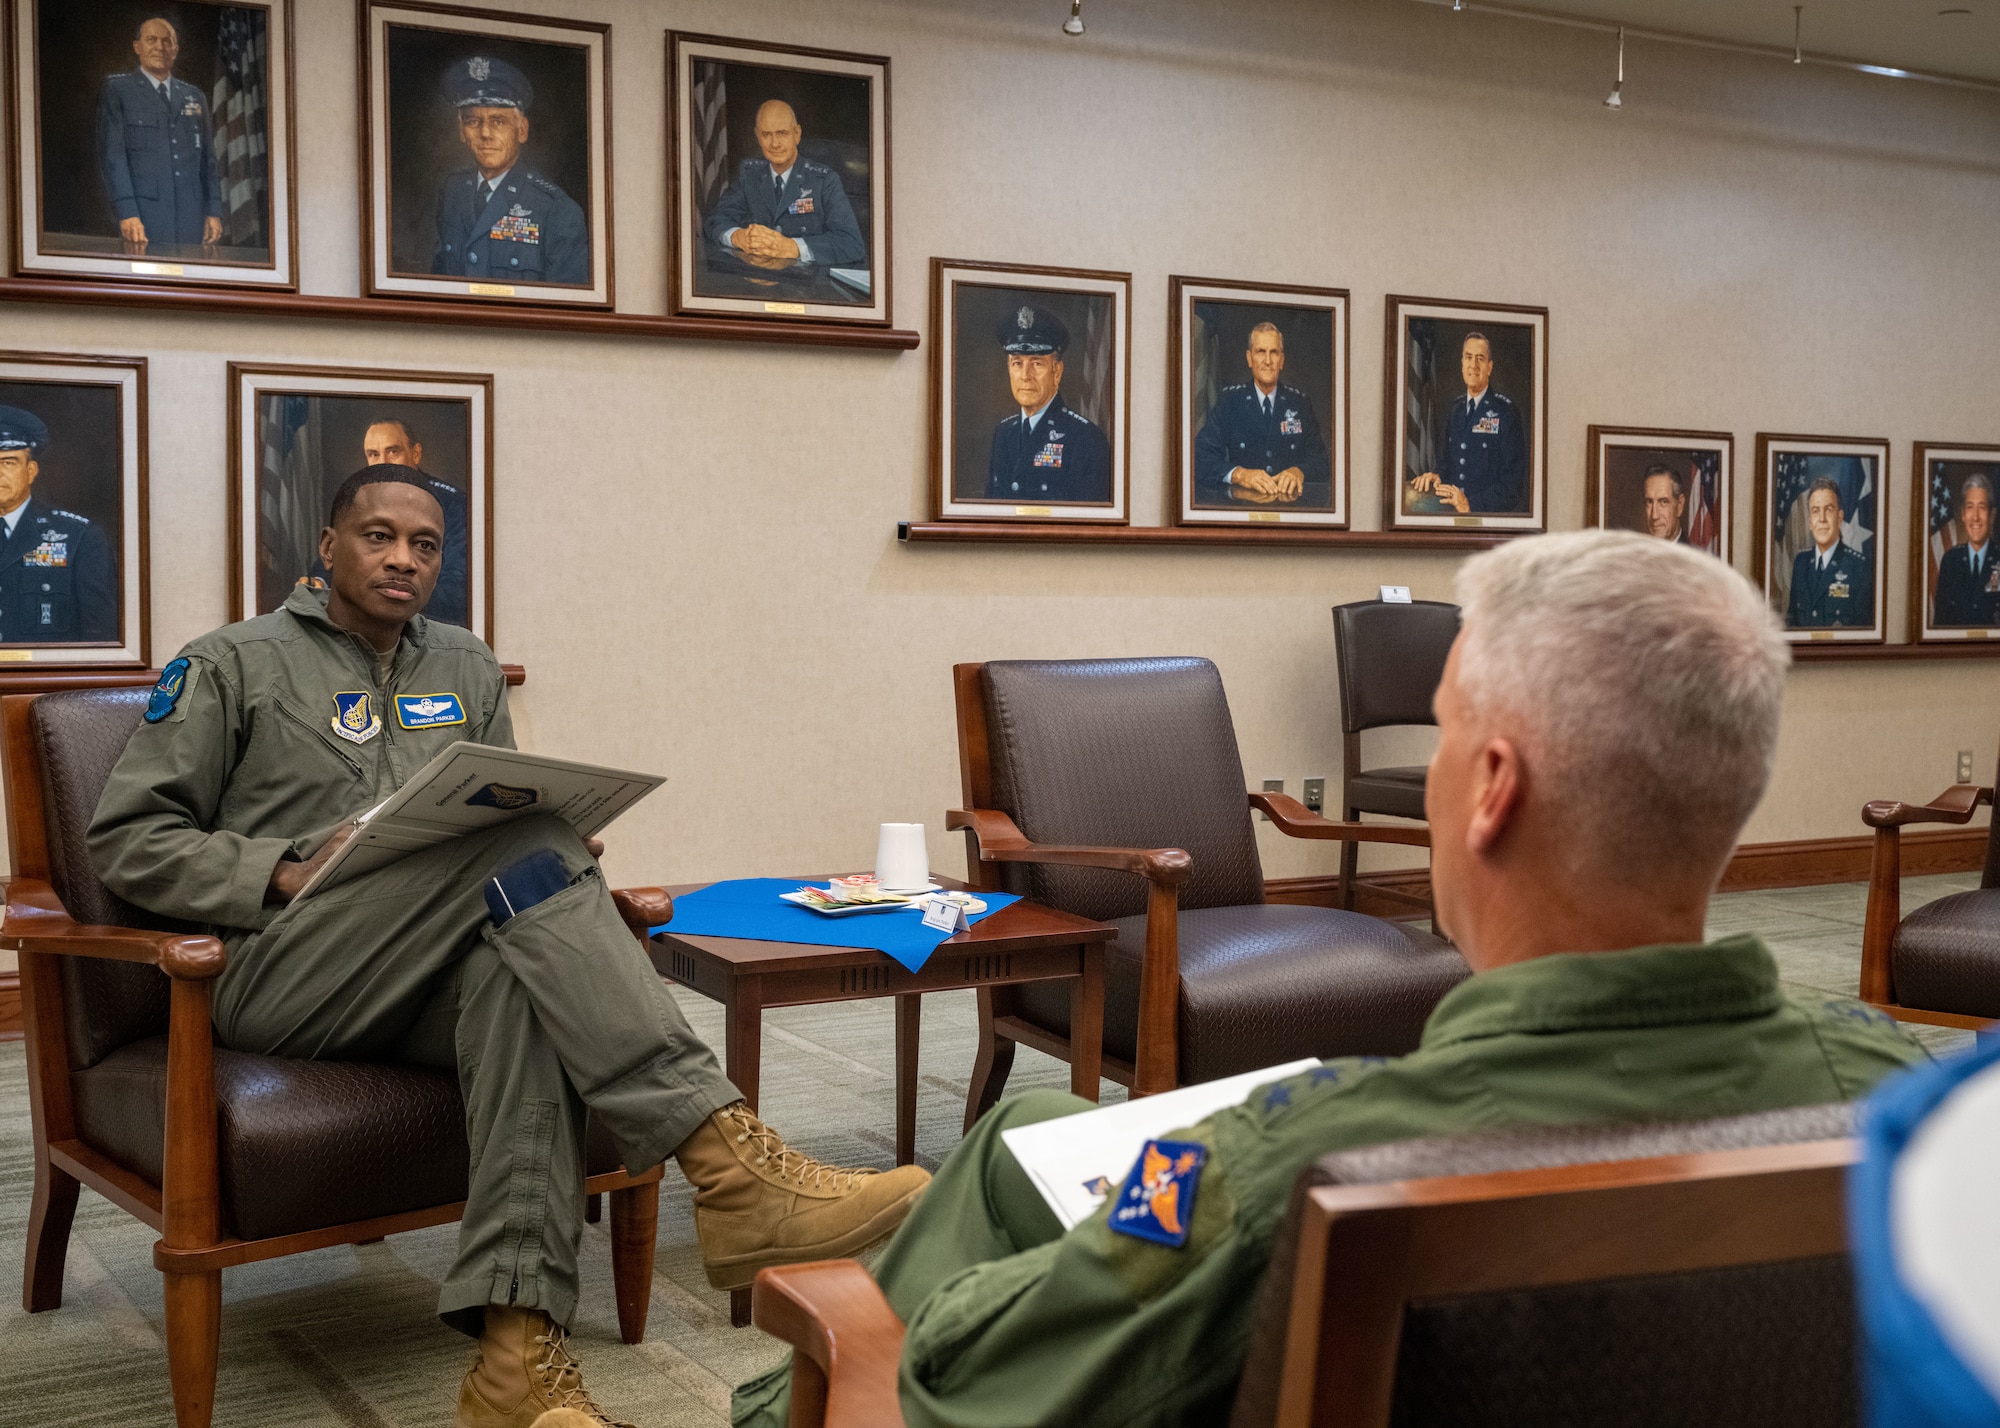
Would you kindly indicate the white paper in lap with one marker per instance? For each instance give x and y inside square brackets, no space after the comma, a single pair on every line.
[1065,1157]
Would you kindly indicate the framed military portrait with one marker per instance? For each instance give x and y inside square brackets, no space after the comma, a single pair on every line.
[73,572]
[487,140]
[1821,531]
[780,181]
[152,142]
[1465,421]
[1258,412]
[298,432]
[1671,485]
[1030,393]
[1954,582]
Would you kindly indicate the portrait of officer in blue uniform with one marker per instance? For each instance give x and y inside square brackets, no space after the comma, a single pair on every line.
[1968,581]
[785,210]
[156,148]
[1832,584]
[1046,452]
[499,221]
[58,577]
[1482,452]
[1260,444]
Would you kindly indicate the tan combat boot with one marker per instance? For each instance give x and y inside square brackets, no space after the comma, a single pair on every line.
[758,1202]
[524,1373]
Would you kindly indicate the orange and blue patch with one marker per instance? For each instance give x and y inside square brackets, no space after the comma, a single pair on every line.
[1157,1201]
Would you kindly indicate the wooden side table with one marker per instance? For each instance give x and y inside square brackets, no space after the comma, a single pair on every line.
[1023,942]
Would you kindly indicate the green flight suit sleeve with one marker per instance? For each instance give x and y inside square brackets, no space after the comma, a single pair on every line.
[149,839]
[498,730]
[1860,1044]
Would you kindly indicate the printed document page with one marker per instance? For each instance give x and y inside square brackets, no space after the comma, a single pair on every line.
[1076,1161]
[473,786]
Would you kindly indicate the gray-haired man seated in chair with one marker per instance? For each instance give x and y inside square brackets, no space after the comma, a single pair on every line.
[1606,723]
[500,953]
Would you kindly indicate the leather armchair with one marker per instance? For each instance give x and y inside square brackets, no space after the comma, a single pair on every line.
[1941,964]
[1644,1275]
[1112,789]
[232,1157]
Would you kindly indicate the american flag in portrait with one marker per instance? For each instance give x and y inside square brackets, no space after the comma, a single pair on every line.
[1943,525]
[239,101]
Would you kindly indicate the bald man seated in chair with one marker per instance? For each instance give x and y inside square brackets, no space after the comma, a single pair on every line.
[499,954]
[1606,722]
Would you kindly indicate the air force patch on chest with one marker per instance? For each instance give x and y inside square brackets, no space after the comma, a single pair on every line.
[428,711]
[355,718]
[1157,1201]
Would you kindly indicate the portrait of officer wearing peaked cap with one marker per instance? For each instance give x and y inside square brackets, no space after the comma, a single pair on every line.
[498,220]
[58,577]
[1046,452]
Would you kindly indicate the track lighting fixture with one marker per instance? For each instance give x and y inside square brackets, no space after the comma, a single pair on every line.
[1616,99]
[1074,24]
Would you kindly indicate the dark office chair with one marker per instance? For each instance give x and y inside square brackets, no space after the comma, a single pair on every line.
[1390,658]
[1113,789]
[232,1157]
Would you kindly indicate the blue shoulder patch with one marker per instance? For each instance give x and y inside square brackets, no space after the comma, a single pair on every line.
[167,693]
[1157,1202]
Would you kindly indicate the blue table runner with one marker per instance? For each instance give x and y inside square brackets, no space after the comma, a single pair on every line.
[749,908]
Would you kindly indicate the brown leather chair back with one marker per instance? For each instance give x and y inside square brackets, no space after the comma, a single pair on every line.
[1770,1345]
[77,738]
[1390,659]
[1129,753]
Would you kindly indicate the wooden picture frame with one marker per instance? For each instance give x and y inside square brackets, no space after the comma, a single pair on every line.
[1788,470]
[76,565]
[63,168]
[426,230]
[1617,465]
[1939,472]
[297,432]
[1419,401]
[976,310]
[1214,413]
[716,89]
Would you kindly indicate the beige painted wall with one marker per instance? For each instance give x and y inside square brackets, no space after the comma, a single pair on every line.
[696,541]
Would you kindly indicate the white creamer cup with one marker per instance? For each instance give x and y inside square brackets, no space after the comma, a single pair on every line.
[902,858]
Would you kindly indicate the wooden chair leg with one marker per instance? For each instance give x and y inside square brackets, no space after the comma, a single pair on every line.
[194,1337]
[593,1209]
[1350,866]
[990,1066]
[49,1219]
[739,1308]
[635,1225]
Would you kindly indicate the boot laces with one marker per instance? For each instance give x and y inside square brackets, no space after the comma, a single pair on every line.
[562,1376]
[793,1165]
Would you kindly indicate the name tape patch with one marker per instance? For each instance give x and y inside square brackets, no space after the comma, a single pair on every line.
[428,711]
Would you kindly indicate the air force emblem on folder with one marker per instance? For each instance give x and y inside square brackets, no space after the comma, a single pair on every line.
[354,717]
[428,711]
[504,797]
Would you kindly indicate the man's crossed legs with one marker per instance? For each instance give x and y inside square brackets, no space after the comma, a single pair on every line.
[551,1011]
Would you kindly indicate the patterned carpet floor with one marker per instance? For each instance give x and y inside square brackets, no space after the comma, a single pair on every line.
[347,1337]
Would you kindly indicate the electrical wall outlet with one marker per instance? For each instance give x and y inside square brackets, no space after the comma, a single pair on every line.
[1965,766]
[1315,798]
[1272,785]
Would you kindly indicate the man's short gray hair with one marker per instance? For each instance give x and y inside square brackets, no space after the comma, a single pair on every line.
[1642,681]
[1270,327]
[1975,482]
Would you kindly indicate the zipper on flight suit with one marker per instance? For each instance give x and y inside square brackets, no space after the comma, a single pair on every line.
[328,744]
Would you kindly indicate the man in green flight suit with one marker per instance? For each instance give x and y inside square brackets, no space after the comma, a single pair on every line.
[1606,724]
[499,954]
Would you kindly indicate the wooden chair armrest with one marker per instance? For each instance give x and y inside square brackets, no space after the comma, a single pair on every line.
[1002,841]
[37,922]
[1955,805]
[846,1342]
[1295,820]
[643,908]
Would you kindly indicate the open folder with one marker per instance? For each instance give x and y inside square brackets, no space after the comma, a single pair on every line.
[473,786]
[1075,1161]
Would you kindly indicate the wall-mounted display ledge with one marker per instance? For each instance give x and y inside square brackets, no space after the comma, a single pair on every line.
[1963,649]
[1011,532]
[486,317]
[50,678]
